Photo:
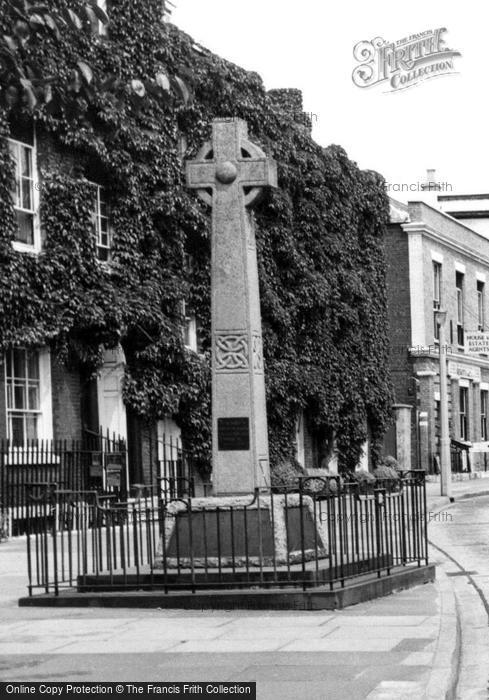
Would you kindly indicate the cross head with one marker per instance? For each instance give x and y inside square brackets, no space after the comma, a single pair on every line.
[230,162]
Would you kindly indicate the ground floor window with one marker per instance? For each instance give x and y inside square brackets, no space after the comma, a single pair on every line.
[22,380]
[484,405]
[463,412]
[28,401]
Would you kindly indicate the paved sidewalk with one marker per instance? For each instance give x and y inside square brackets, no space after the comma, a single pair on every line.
[401,646]
[381,649]
[478,485]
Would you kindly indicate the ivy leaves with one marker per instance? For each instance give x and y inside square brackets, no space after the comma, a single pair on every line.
[21,80]
[120,104]
[23,83]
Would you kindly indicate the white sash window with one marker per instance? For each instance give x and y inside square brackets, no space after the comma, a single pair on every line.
[101,223]
[28,395]
[25,196]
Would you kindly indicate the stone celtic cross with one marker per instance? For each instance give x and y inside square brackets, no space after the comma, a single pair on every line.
[229,173]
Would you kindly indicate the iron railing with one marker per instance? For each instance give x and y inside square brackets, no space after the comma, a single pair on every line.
[175,477]
[97,463]
[323,533]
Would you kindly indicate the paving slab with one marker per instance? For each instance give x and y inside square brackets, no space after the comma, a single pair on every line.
[399,646]
[396,689]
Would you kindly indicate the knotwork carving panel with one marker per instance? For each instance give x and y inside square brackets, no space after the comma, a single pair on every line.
[231,352]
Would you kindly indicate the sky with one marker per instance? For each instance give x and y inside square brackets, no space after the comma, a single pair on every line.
[440,123]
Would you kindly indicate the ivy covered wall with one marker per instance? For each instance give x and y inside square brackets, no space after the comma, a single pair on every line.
[319,235]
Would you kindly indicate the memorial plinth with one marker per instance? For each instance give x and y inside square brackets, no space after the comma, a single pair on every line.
[227,530]
[273,530]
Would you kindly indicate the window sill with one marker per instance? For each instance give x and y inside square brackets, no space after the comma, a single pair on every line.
[191,349]
[26,248]
[105,265]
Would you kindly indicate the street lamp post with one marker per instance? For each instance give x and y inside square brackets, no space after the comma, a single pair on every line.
[446,471]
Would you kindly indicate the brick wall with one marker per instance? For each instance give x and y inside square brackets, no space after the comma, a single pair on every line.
[433,407]
[3,411]
[475,412]
[399,316]
[308,448]
[142,450]
[66,397]
[427,404]
[390,442]
[311,458]
[399,311]
[149,453]
[454,418]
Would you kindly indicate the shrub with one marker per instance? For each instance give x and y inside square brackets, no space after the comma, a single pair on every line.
[365,480]
[388,476]
[391,462]
[362,476]
[285,474]
[322,482]
[385,473]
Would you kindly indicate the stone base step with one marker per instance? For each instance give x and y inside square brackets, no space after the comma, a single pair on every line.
[315,598]
[239,578]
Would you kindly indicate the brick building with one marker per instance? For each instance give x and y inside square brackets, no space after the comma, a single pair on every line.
[46,401]
[437,262]
[41,399]
[96,207]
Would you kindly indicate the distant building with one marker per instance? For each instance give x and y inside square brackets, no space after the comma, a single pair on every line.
[471,209]
[436,261]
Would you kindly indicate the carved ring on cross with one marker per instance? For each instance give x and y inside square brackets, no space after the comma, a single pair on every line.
[227,172]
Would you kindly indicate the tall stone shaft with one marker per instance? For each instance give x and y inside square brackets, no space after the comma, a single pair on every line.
[229,174]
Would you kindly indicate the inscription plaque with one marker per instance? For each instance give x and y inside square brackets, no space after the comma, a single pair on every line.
[233,434]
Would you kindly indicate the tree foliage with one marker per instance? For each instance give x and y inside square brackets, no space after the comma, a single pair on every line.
[319,235]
